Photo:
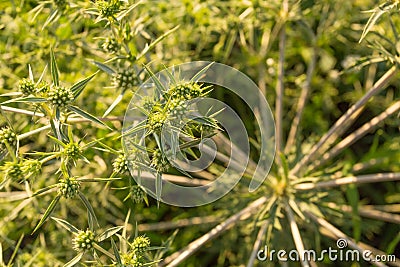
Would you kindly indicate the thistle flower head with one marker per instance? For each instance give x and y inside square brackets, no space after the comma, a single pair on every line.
[72,151]
[125,79]
[185,90]
[140,244]
[43,87]
[177,107]
[13,170]
[156,120]
[68,187]
[60,96]
[131,259]
[26,86]
[148,103]
[31,167]
[110,45]
[7,136]
[137,194]
[84,240]
[159,162]
[120,164]
[108,8]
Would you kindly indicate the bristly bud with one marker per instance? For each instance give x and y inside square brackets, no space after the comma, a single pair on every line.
[27,86]
[108,8]
[156,120]
[13,170]
[84,240]
[31,167]
[177,107]
[186,90]
[8,136]
[137,194]
[111,45]
[148,103]
[68,187]
[140,244]
[60,96]
[125,79]
[72,151]
[120,164]
[131,259]
[159,162]
[43,87]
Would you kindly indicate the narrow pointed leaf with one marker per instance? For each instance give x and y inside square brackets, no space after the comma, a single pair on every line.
[198,75]
[109,232]
[104,67]
[79,86]
[47,213]
[54,69]
[114,104]
[29,99]
[66,225]
[89,208]
[116,253]
[75,260]
[86,115]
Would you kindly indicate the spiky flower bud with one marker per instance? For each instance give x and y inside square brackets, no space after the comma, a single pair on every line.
[177,107]
[120,164]
[60,96]
[84,240]
[13,170]
[131,259]
[156,120]
[31,167]
[137,194]
[148,103]
[68,187]
[43,87]
[111,45]
[125,79]
[108,8]
[140,244]
[26,86]
[186,90]
[72,151]
[7,136]
[159,162]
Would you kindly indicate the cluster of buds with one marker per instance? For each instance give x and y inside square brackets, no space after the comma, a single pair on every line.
[31,167]
[60,96]
[186,90]
[120,164]
[68,187]
[108,8]
[125,79]
[156,120]
[177,108]
[13,170]
[7,136]
[84,240]
[27,86]
[159,162]
[137,194]
[111,45]
[131,259]
[72,151]
[140,244]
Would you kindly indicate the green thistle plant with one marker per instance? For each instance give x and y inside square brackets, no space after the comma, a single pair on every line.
[111,45]
[159,162]
[140,244]
[120,164]
[177,107]
[60,97]
[131,259]
[125,79]
[137,194]
[68,187]
[31,167]
[8,136]
[156,120]
[109,8]
[72,151]
[13,170]
[84,240]
[186,90]
[27,86]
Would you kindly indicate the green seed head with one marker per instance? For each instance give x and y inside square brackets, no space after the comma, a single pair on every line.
[125,79]
[72,151]
[108,8]
[68,187]
[131,259]
[7,136]
[137,194]
[31,167]
[140,244]
[177,108]
[120,164]
[156,120]
[60,96]
[84,240]
[26,86]
[186,91]
[148,103]
[111,45]
[159,162]
[43,87]
[13,170]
